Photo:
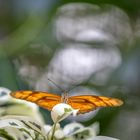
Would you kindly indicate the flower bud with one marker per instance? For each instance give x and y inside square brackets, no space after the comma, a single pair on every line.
[62,111]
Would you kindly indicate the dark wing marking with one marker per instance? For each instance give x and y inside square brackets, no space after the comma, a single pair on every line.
[86,103]
[43,99]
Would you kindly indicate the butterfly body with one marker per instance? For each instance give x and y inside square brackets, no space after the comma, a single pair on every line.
[84,103]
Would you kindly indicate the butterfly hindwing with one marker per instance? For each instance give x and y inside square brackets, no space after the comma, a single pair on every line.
[86,103]
[43,99]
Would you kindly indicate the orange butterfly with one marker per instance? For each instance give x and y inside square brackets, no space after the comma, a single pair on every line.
[84,103]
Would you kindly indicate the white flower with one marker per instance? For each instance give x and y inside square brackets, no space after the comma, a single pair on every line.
[59,134]
[47,128]
[11,106]
[21,127]
[72,128]
[62,111]
[77,130]
[4,95]
[74,131]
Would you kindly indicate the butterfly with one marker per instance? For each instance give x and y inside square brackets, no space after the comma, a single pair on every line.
[84,103]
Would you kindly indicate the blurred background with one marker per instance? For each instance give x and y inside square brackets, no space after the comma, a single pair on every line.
[94,43]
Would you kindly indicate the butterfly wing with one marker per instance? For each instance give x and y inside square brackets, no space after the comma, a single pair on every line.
[87,103]
[43,99]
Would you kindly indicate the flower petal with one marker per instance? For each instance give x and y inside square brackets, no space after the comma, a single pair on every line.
[61,111]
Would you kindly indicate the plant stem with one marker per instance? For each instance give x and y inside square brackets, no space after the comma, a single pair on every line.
[53,131]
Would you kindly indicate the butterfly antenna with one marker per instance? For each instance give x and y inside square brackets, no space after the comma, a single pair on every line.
[73,87]
[56,85]
[82,83]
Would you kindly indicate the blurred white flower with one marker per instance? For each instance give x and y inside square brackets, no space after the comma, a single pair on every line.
[11,106]
[21,127]
[54,131]
[78,131]
[4,95]
[72,128]
[92,24]
[47,128]
[26,128]
[62,111]
[59,134]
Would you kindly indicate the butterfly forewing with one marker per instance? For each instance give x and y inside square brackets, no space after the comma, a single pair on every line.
[83,103]
[86,103]
[43,99]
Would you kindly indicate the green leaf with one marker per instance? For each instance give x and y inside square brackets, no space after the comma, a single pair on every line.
[67,110]
[5,134]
